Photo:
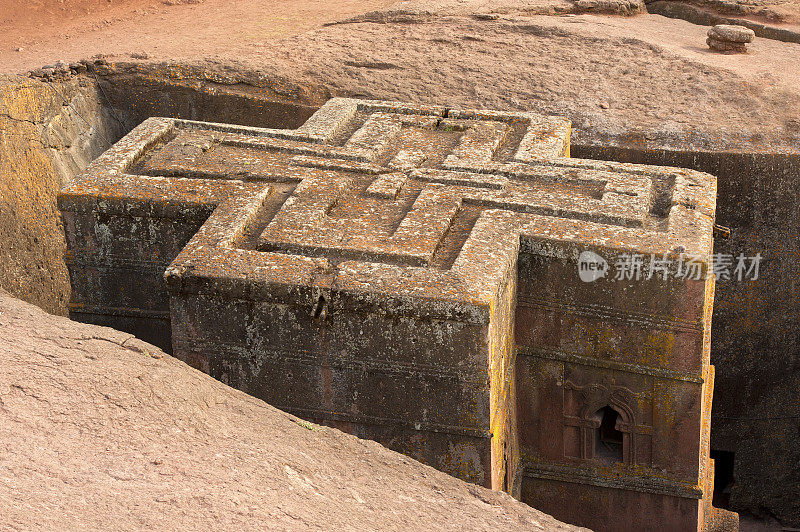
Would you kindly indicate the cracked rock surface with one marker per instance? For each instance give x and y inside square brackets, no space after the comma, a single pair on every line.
[103,431]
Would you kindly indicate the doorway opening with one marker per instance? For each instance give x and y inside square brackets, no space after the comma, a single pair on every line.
[608,439]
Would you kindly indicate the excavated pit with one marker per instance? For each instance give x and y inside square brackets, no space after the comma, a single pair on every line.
[52,129]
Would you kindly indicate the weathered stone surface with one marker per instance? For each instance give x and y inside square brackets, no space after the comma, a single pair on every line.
[753,348]
[101,431]
[410,274]
[726,46]
[44,143]
[731,33]
[729,38]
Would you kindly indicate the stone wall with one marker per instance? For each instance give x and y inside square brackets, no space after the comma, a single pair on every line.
[48,133]
[207,92]
[45,142]
[637,346]
[754,347]
[361,271]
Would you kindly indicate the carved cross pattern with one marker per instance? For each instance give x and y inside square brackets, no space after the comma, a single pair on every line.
[368,183]
[362,268]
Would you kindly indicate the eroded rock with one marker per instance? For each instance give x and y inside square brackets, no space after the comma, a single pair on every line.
[729,38]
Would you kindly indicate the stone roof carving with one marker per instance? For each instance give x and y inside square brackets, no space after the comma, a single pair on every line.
[402,201]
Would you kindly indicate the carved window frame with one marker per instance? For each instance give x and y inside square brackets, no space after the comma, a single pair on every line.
[597,396]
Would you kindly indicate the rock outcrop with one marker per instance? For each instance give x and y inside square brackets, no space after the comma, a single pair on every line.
[729,38]
[103,431]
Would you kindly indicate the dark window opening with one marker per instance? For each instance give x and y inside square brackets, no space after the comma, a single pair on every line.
[608,440]
[723,478]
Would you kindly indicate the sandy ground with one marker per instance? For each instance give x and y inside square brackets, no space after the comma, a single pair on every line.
[646,75]
[69,30]
[101,431]
[646,78]
[767,63]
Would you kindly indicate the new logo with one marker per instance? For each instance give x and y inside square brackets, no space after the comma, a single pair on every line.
[591,266]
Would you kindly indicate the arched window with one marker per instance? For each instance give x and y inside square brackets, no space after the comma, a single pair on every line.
[608,438]
[603,425]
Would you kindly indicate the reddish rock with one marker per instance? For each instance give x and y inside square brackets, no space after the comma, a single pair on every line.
[102,431]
